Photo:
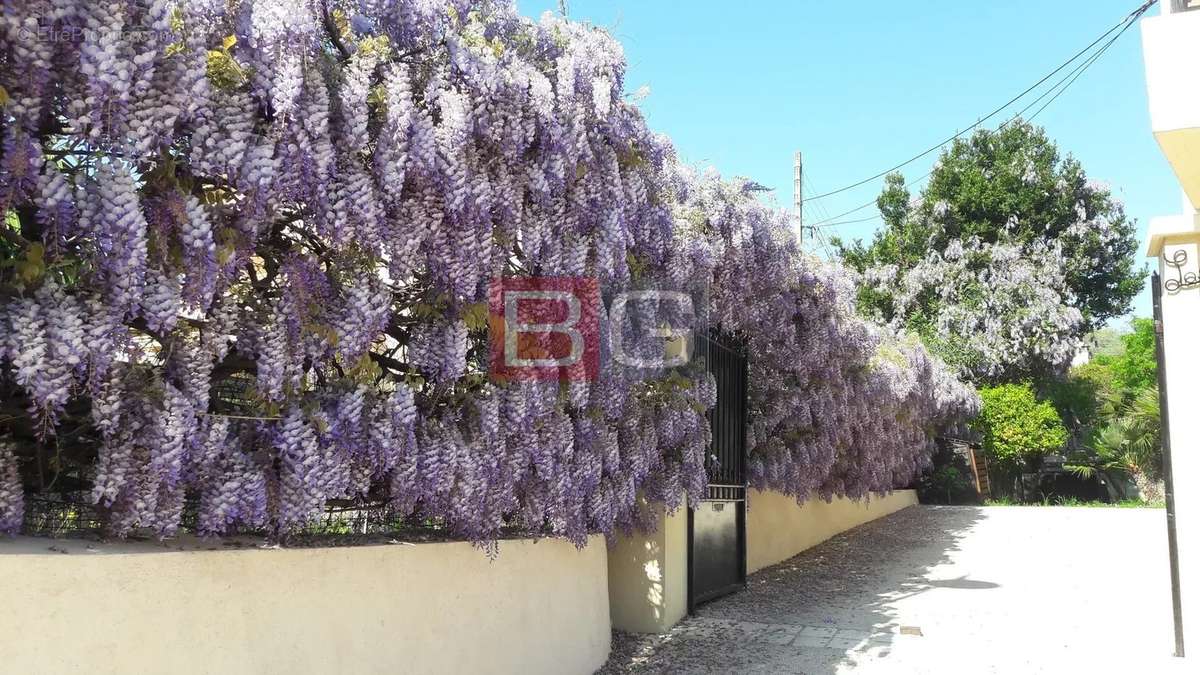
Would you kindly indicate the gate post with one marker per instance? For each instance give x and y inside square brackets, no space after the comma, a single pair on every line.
[647,575]
[656,579]
[1175,242]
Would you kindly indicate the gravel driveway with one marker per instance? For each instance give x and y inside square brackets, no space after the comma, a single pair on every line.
[943,590]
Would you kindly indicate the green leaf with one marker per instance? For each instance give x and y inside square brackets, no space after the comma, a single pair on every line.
[177,25]
[377,98]
[476,316]
[223,71]
[32,267]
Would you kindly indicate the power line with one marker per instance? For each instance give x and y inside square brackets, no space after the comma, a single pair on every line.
[1068,79]
[818,236]
[819,212]
[1122,25]
[800,185]
[823,242]
[825,223]
[850,222]
[1081,71]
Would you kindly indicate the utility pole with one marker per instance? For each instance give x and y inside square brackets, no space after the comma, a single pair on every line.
[798,195]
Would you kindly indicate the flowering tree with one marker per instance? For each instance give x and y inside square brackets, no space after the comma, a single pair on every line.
[1008,258]
[994,310]
[247,252]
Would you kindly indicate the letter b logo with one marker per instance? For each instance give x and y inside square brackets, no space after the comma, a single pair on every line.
[544,328]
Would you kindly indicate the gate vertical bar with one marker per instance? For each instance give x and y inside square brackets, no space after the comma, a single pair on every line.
[742,428]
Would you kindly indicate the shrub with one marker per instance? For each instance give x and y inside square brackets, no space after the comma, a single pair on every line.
[1016,426]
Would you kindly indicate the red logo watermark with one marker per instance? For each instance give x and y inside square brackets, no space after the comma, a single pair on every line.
[544,328]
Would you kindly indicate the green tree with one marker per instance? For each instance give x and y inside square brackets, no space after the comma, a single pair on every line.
[1136,367]
[1110,405]
[1002,196]
[1129,444]
[1103,388]
[1013,184]
[1016,426]
[1107,341]
[1084,396]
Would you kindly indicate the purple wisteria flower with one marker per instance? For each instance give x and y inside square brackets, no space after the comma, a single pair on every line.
[252,256]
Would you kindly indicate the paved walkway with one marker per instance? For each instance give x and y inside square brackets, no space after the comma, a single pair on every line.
[943,590]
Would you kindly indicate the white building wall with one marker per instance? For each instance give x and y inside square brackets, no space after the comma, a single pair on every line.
[1171,50]
[1181,343]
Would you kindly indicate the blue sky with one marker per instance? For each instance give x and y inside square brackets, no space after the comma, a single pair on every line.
[859,87]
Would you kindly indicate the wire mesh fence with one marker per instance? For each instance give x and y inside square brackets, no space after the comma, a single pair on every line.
[72,515]
[61,516]
[63,505]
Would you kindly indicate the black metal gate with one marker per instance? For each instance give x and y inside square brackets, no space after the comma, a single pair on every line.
[717,528]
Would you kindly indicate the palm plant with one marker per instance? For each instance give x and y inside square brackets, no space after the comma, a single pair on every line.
[1143,424]
[1128,445]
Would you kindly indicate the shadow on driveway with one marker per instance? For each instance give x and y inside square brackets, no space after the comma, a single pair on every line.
[943,589]
[814,612]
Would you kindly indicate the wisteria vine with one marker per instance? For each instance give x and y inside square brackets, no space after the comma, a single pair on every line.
[247,251]
[838,406]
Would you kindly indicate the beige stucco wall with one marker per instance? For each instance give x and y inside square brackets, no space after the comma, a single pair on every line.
[647,573]
[647,576]
[540,607]
[777,528]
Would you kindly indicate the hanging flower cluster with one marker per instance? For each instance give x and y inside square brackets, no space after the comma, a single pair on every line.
[1013,299]
[837,406]
[251,244]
